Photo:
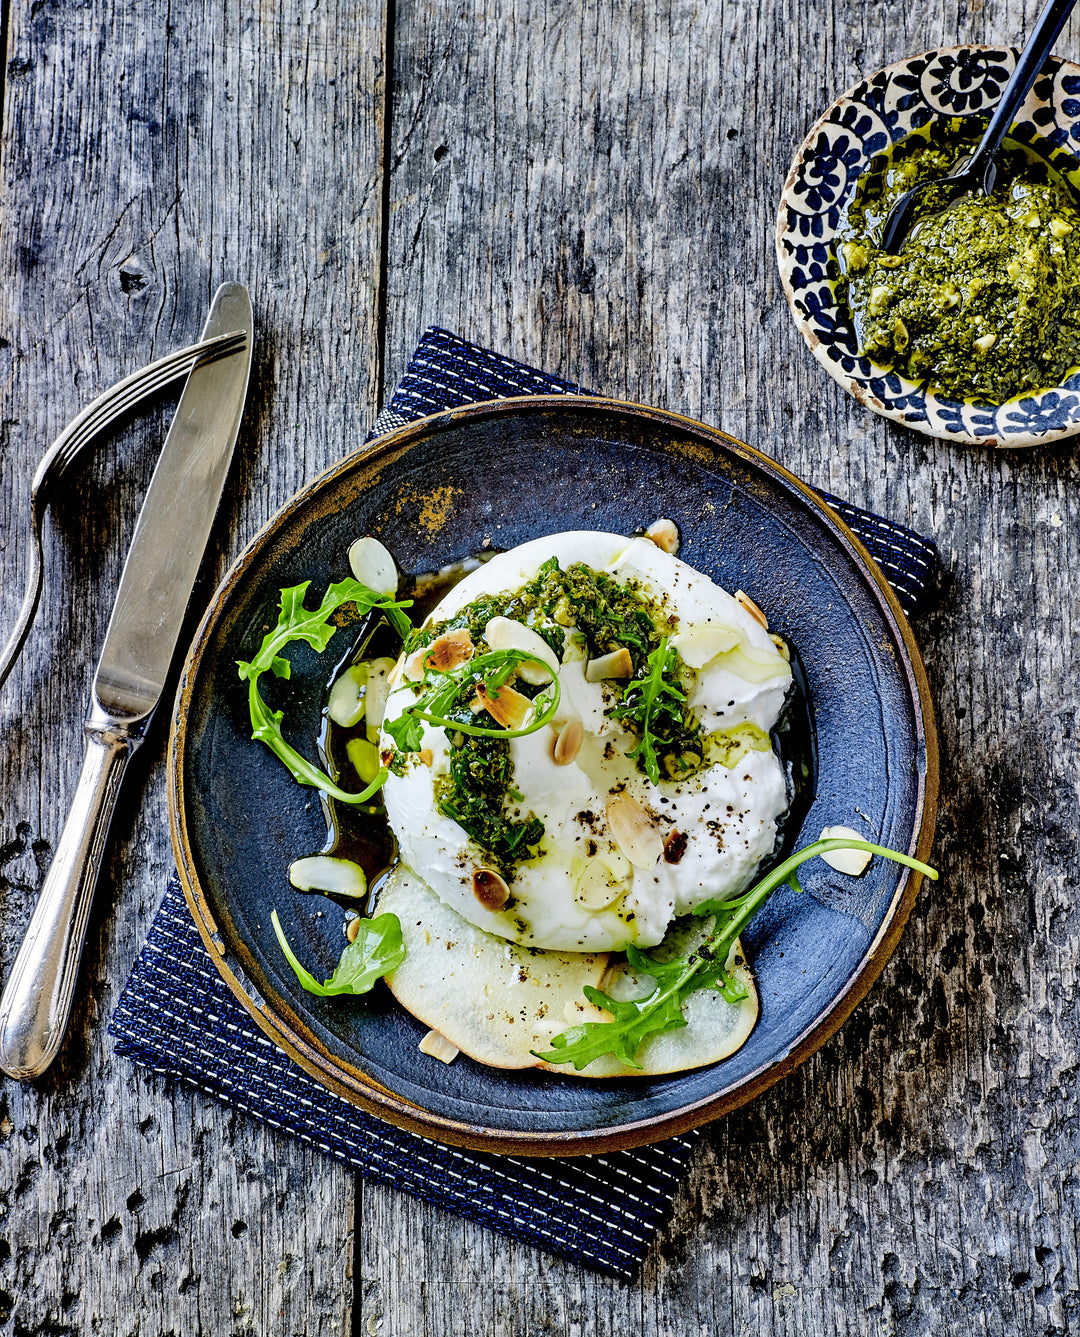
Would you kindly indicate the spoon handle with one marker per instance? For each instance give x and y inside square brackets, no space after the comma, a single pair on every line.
[1032,59]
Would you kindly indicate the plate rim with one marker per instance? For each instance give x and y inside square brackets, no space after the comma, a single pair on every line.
[855,386]
[378,1100]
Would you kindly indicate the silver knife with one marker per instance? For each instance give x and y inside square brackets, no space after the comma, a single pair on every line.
[155,588]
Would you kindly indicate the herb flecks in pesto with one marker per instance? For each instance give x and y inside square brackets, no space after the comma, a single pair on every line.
[670,741]
[477,792]
[983,301]
[605,614]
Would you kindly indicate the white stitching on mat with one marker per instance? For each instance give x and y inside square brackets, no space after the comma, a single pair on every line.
[284,1071]
[273,1087]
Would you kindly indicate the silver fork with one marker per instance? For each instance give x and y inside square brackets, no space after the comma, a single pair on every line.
[90,423]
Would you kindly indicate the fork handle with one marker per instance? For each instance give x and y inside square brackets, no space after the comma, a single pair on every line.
[10,653]
[36,1001]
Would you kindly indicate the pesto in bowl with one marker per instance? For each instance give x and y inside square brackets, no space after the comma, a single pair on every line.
[983,300]
[937,371]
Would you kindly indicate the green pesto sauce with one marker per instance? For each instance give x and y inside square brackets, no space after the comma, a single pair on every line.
[478,792]
[606,613]
[983,301]
[475,794]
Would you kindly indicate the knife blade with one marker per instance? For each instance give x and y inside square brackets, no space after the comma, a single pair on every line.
[155,588]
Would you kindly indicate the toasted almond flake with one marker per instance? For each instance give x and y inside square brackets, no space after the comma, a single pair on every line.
[505,633]
[755,612]
[352,928]
[568,744]
[505,705]
[781,645]
[852,862]
[489,888]
[617,664]
[372,565]
[438,1046]
[426,756]
[698,644]
[322,872]
[674,846]
[665,534]
[413,668]
[634,831]
[445,653]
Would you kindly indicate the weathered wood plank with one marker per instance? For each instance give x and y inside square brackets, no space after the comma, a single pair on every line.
[151,151]
[593,188]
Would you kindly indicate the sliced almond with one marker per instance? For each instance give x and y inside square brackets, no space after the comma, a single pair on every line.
[665,534]
[346,704]
[634,831]
[322,872]
[698,644]
[852,862]
[568,744]
[599,885]
[438,1046]
[675,846]
[781,645]
[352,928]
[617,664]
[413,668]
[378,689]
[755,612]
[372,565]
[445,653]
[505,706]
[489,888]
[426,756]
[504,633]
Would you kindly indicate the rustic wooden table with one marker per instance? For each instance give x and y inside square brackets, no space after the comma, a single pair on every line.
[590,187]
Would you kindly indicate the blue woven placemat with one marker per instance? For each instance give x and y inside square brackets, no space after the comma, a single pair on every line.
[177,1016]
[447,371]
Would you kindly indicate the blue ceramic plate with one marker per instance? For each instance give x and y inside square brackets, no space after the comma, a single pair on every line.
[498,475]
[962,81]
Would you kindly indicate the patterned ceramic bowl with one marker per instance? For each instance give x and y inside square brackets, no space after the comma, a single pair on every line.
[957,82]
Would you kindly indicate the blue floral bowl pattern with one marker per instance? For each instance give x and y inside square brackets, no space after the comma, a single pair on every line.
[956,82]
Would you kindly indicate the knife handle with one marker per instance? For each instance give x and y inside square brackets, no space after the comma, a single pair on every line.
[36,1001]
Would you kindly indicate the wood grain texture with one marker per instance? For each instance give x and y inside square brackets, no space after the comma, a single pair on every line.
[593,187]
[590,186]
[151,151]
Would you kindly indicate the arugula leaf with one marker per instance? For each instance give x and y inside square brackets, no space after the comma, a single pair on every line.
[655,704]
[444,691]
[297,623]
[407,731]
[633,1022]
[376,950]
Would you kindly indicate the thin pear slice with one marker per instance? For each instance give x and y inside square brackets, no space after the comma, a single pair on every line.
[497,1001]
[493,999]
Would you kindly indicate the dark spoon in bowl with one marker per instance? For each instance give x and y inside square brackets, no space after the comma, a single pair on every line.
[979,172]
